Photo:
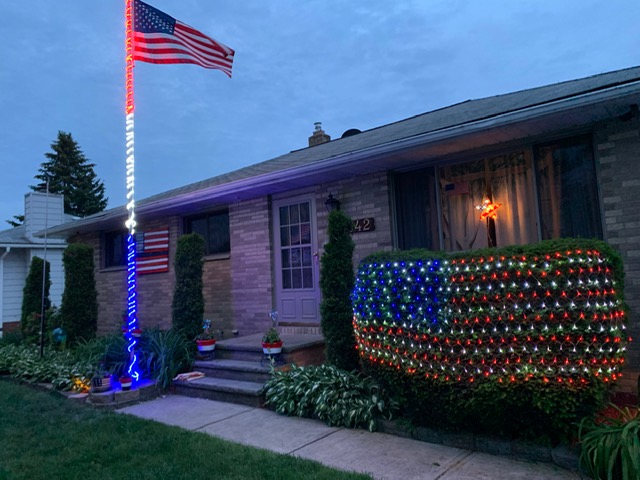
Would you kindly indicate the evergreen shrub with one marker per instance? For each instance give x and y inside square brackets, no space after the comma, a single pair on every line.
[336,283]
[32,300]
[187,306]
[79,307]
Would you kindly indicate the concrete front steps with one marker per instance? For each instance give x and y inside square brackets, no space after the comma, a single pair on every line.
[239,369]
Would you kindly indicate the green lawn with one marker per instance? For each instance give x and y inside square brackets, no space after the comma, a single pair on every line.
[44,436]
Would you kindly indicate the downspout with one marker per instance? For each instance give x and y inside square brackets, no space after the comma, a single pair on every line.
[6,252]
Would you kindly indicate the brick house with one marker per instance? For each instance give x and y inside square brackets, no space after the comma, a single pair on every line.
[563,160]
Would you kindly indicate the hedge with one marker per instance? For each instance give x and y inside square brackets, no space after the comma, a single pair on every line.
[530,333]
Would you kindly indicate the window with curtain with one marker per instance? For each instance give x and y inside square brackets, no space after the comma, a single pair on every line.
[504,181]
[563,172]
[214,227]
[568,189]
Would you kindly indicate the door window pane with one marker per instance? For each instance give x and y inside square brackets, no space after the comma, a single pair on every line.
[286,278]
[284,216]
[296,278]
[307,278]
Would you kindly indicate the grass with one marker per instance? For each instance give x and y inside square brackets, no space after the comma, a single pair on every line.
[47,437]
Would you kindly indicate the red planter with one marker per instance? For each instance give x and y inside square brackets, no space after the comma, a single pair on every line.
[125,382]
[206,345]
[272,348]
[137,333]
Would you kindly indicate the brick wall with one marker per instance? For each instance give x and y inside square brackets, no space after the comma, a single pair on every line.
[251,264]
[366,196]
[155,291]
[617,150]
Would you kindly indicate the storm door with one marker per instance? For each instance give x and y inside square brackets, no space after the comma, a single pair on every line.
[296,261]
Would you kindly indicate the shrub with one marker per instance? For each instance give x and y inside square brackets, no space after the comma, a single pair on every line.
[164,354]
[611,449]
[336,397]
[187,306]
[79,307]
[521,341]
[61,369]
[32,299]
[336,283]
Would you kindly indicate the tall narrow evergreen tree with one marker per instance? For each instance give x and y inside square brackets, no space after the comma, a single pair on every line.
[336,282]
[187,306]
[70,174]
[32,300]
[79,307]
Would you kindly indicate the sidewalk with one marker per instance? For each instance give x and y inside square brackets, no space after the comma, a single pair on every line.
[381,455]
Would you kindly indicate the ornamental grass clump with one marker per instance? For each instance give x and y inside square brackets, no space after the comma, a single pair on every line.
[611,447]
[329,394]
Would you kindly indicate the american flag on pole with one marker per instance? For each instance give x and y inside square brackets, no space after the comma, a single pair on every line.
[152,251]
[160,38]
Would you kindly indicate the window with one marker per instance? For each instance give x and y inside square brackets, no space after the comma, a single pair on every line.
[504,180]
[568,190]
[565,203]
[417,212]
[115,249]
[214,227]
[295,246]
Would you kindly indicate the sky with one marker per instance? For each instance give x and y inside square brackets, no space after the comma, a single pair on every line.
[348,64]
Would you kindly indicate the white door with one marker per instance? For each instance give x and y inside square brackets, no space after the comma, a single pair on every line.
[296,260]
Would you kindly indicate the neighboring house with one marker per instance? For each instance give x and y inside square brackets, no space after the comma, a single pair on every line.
[19,245]
[563,160]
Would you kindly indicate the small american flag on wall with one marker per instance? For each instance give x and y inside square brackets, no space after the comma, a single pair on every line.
[152,251]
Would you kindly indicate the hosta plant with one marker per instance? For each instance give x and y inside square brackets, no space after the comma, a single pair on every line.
[611,447]
[332,395]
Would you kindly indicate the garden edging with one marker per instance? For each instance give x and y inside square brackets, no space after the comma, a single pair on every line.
[564,456]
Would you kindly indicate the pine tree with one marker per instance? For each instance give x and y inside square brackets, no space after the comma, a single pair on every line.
[70,174]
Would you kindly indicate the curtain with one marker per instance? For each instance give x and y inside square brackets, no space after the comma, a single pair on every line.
[504,180]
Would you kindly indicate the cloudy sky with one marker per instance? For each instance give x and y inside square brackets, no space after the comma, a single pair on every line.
[348,64]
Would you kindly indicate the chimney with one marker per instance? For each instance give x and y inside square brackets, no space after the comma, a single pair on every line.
[42,211]
[318,136]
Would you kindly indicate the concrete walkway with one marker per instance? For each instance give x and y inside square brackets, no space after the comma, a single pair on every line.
[381,455]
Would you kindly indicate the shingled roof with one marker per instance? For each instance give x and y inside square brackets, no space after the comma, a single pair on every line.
[461,114]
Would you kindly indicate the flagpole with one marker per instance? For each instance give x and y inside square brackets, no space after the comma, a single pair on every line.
[132,328]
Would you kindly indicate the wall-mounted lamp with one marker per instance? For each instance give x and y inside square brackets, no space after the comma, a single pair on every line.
[332,204]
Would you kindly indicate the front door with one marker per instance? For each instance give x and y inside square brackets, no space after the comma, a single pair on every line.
[296,261]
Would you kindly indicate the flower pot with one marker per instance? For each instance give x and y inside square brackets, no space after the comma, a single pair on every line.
[100,384]
[206,345]
[136,332]
[272,348]
[125,382]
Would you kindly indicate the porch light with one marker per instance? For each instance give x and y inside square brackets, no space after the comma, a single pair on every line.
[332,204]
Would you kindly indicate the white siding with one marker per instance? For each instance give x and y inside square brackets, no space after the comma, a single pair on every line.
[15,273]
[54,257]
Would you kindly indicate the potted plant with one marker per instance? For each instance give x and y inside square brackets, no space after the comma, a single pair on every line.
[206,340]
[126,382]
[271,342]
[101,380]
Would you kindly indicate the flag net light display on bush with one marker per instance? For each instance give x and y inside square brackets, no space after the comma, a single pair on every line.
[556,318]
